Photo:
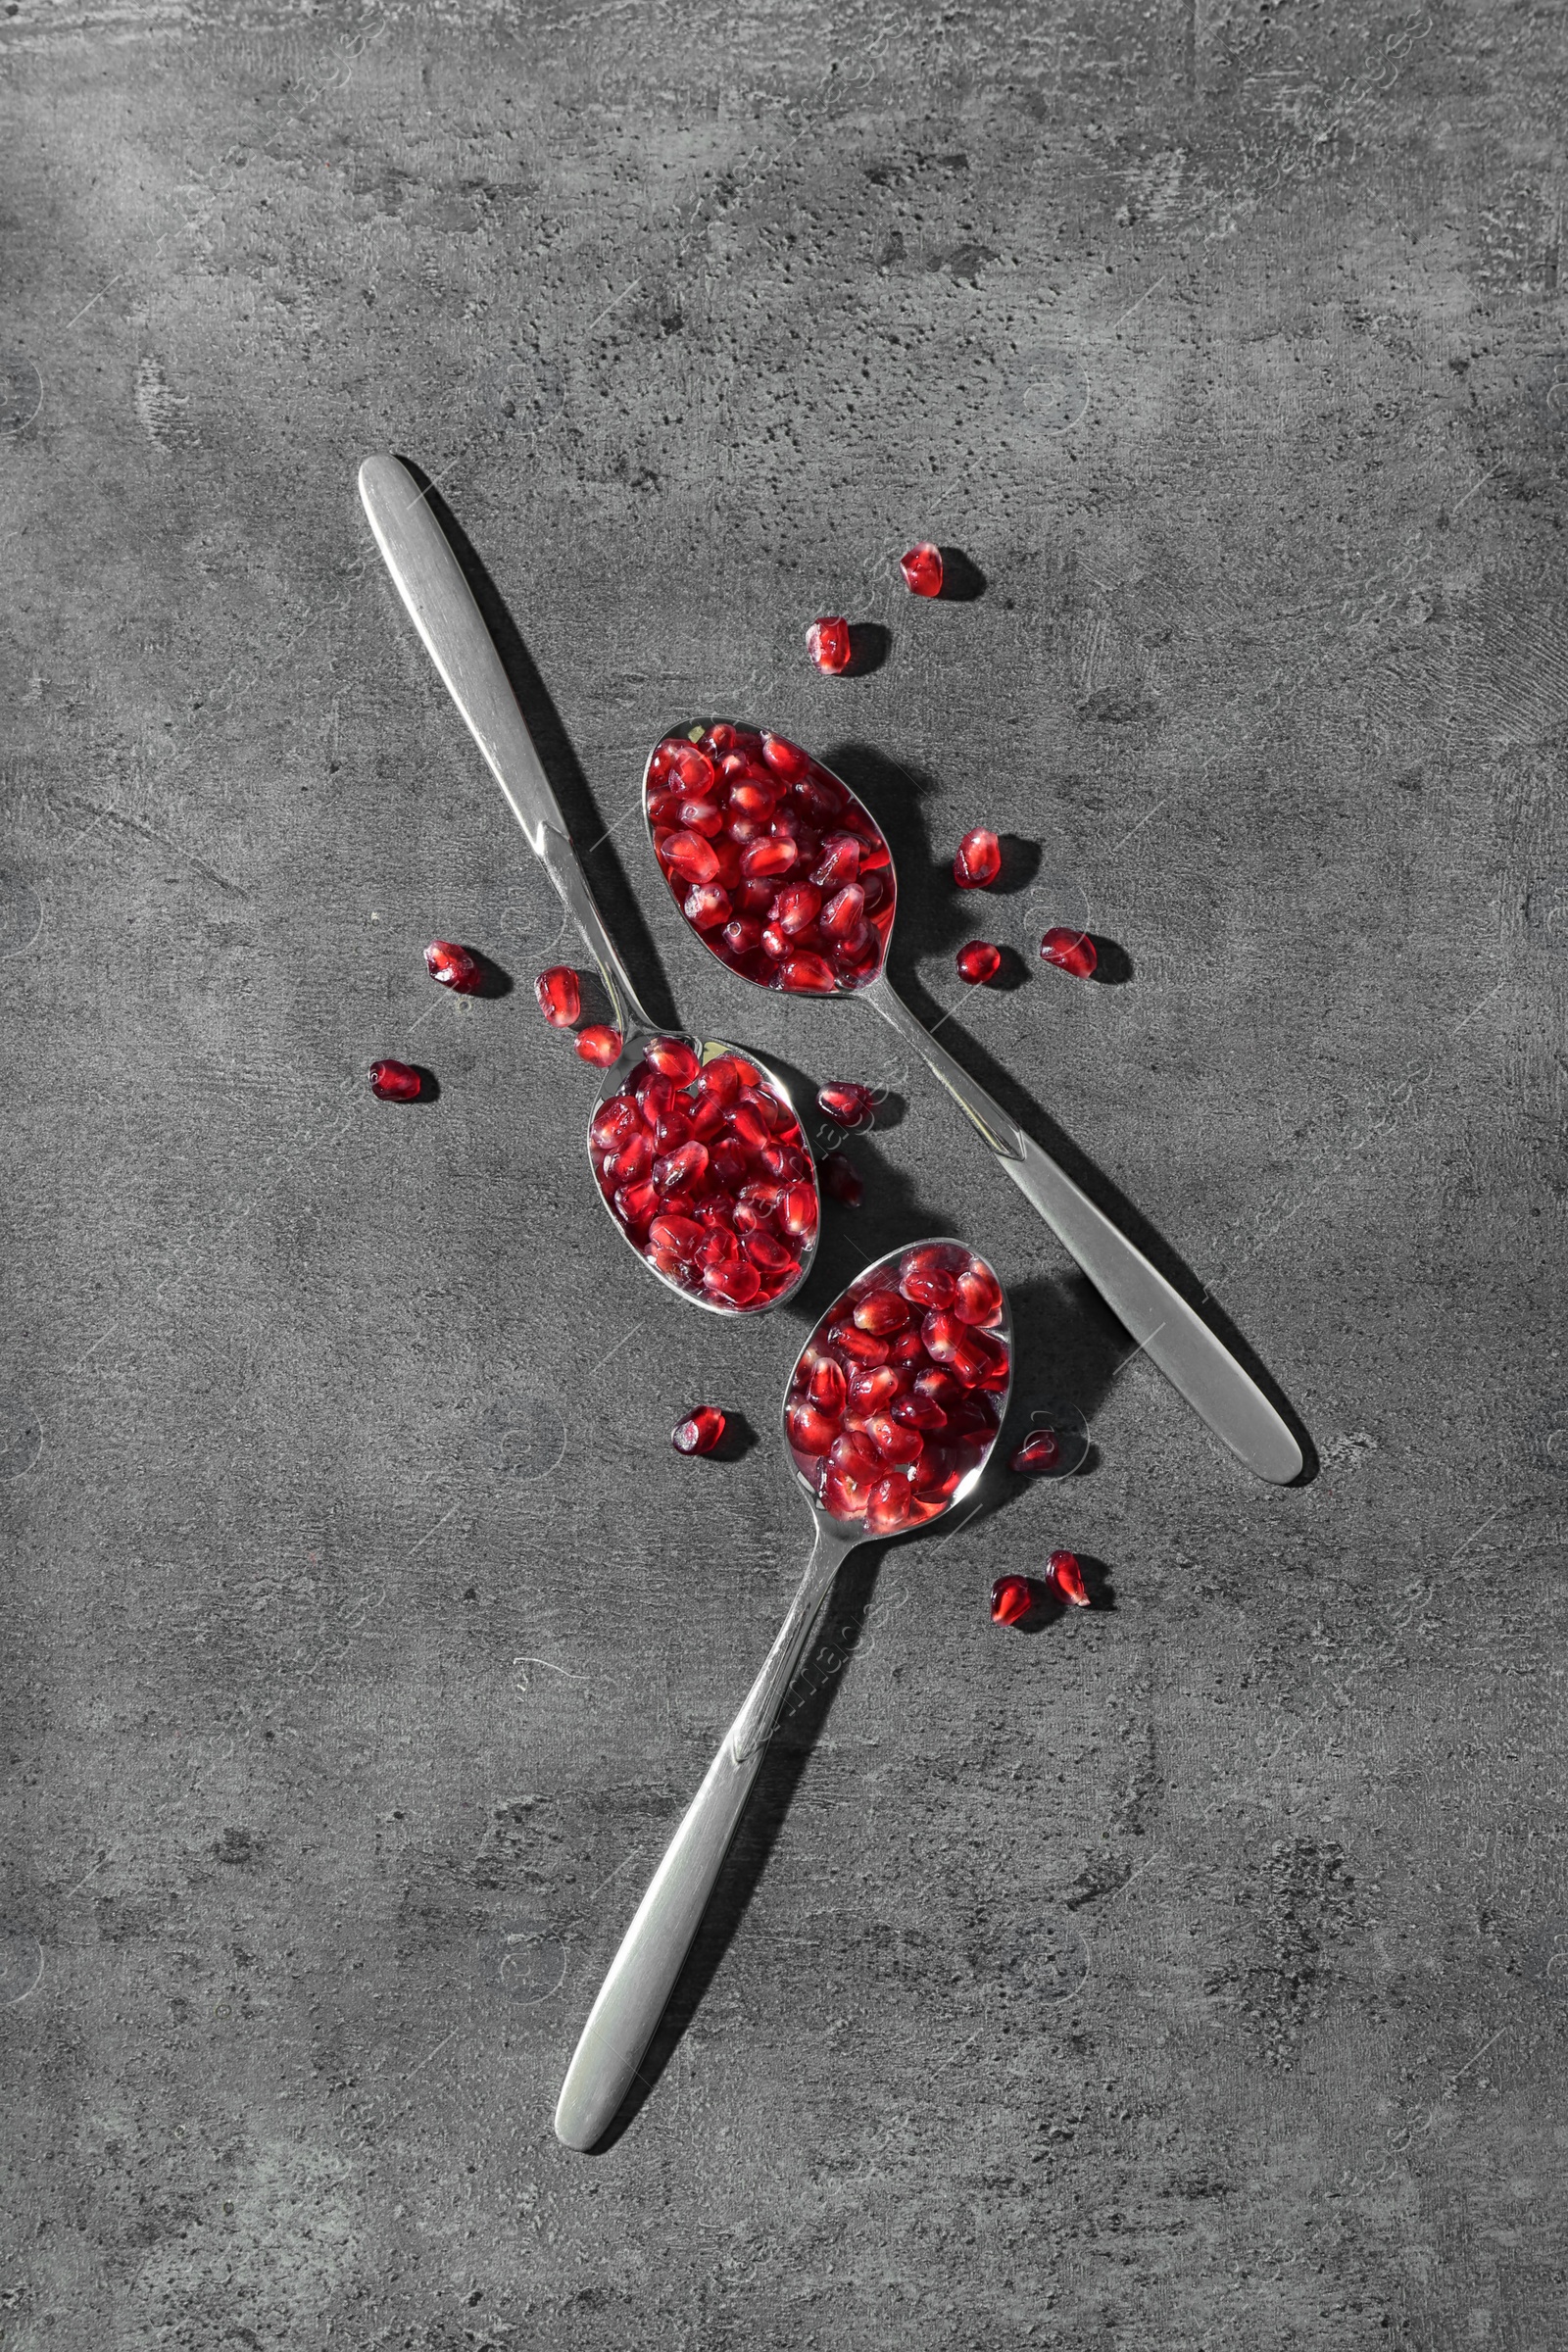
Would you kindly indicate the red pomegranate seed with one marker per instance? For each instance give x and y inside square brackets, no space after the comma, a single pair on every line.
[681,1236]
[842,916]
[1039,1452]
[920,1412]
[396,1081]
[922,570]
[840,863]
[785,758]
[807,974]
[978,863]
[700,1430]
[828,644]
[700,817]
[872,1386]
[1067,1576]
[614,1121]
[706,906]
[888,1506]
[797,907]
[852,1461]
[742,935]
[861,1346]
[894,1440]
[841,1180]
[978,1297]
[691,768]
[599,1043]
[882,1312]
[1011,1598]
[811,1430]
[798,1211]
[559,994]
[632,1159]
[848,1104]
[682,1169]
[1071,952]
[773,855]
[673,1059]
[457,968]
[978,962]
[827,1385]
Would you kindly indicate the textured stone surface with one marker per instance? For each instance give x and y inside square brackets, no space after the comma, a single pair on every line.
[1191,1972]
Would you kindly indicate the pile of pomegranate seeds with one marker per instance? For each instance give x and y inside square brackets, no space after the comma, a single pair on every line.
[1066,1578]
[1040,1451]
[847,1103]
[455,967]
[978,962]
[396,1081]
[978,863]
[775,862]
[922,570]
[898,1394]
[599,1043]
[1011,1598]
[700,1430]
[1069,950]
[841,1180]
[707,1170]
[559,994]
[828,644]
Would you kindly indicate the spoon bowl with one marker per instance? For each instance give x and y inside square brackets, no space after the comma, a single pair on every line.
[926,1334]
[705,1171]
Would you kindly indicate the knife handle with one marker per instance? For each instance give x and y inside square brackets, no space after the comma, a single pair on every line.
[428,577]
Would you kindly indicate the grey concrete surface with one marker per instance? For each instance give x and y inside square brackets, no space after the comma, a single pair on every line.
[1191,1972]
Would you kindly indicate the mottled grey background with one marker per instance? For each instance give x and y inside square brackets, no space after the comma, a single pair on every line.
[1192,1972]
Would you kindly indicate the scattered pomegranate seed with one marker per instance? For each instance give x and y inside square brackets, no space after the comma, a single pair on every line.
[774,861]
[1011,1598]
[922,570]
[979,962]
[847,1103]
[559,994]
[1039,1452]
[599,1043]
[457,968]
[828,644]
[841,1180]
[700,1430]
[1065,1574]
[1069,950]
[396,1081]
[978,863]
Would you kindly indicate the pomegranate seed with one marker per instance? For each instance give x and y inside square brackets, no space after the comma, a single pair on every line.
[978,863]
[707,906]
[828,644]
[742,935]
[888,1506]
[894,1440]
[820,797]
[396,1081]
[928,1286]
[775,942]
[908,1347]
[978,1295]
[457,968]
[827,1385]
[882,1312]
[769,1257]
[737,1283]
[614,1121]
[978,962]
[1011,1598]
[1039,1452]
[785,758]
[559,994]
[774,855]
[922,570]
[691,766]
[920,1412]
[632,1159]
[840,863]
[797,907]
[847,1103]
[939,1386]
[1071,952]
[863,1347]
[692,859]
[673,1059]
[798,1213]
[700,1430]
[682,1169]
[841,1180]
[853,1464]
[681,1236]
[807,974]
[752,796]
[1067,1576]
[872,1386]
[700,817]
[599,1043]
[842,915]
[638,1203]
[811,1430]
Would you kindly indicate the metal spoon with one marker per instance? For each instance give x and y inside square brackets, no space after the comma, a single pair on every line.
[430,581]
[1167,1330]
[643,1974]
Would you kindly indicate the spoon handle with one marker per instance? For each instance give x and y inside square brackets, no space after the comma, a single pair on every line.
[643,1974]
[1193,1359]
[430,581]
